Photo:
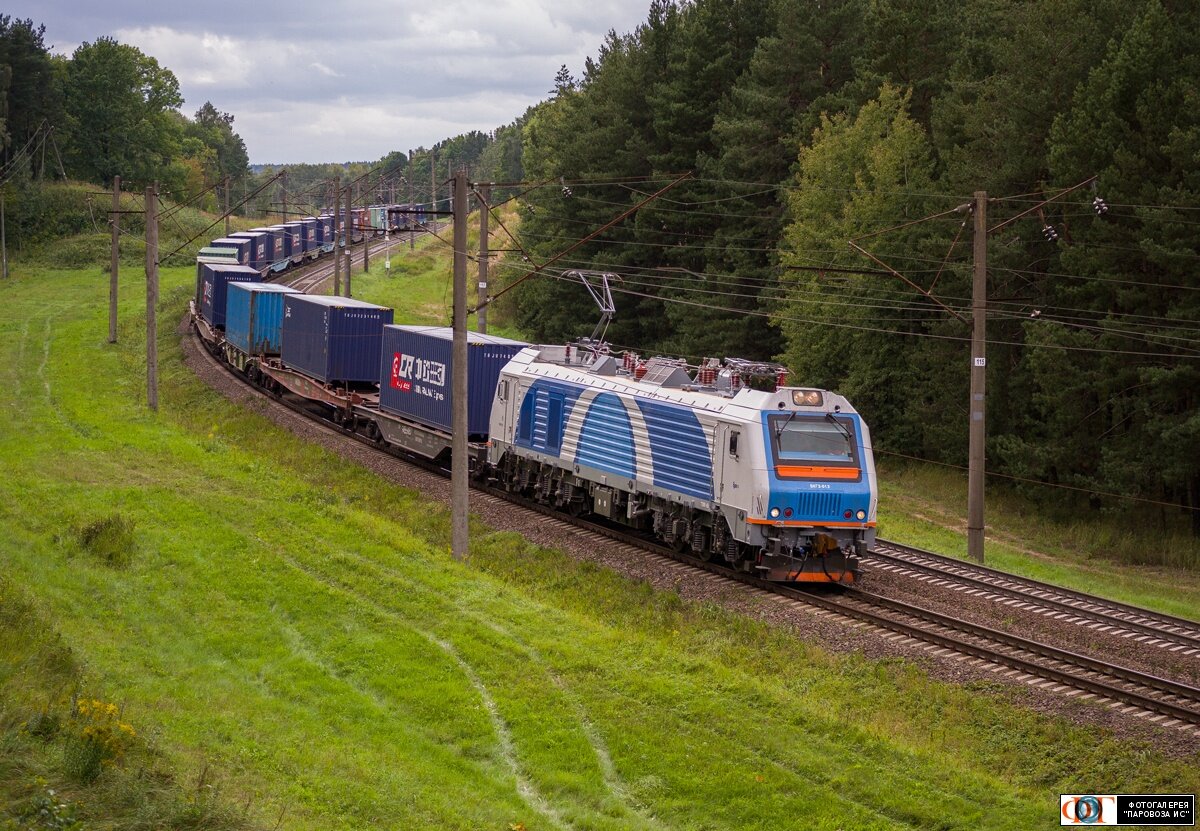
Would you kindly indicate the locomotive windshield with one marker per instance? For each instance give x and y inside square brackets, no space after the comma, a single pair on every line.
[808,446]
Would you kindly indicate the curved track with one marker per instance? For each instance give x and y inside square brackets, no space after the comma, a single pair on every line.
[1154,629]
[1161,701]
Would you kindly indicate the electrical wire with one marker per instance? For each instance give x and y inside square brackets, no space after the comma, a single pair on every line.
[1027,481]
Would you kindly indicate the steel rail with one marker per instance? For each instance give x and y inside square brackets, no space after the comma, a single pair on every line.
[1111,612]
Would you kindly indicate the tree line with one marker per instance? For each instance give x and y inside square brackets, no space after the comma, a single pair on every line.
[808,126]
[107,110]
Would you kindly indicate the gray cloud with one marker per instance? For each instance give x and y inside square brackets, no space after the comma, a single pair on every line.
[313,82]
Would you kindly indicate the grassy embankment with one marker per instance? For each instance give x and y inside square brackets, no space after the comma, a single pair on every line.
[419,285]
[259,608]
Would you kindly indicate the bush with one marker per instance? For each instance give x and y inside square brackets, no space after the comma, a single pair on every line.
[110,539]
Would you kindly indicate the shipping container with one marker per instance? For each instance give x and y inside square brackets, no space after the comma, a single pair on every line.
[274,246]
[415,371]
[218,255]
[333,338]
[214,279]
[311,243]
[325,231]
[239,244]
[288,237]
[254,315]
[295,231]
[261,248]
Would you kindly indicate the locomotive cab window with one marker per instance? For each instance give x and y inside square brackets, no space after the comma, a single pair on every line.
[502,391]
[814,447]
[733,444]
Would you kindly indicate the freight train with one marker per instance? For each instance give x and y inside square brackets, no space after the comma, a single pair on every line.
[730,463]
[276,248]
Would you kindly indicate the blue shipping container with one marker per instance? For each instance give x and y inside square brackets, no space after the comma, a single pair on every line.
[260,248]
[325,230]
[254,315]
[416,368]
[214,278]
[242,246]
[311,243]
[333,338]
[295,230]
[287,239]
[275,246]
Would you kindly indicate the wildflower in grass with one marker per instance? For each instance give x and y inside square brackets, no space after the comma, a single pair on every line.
[99,738]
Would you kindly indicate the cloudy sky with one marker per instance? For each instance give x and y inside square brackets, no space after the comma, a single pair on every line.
[349,81]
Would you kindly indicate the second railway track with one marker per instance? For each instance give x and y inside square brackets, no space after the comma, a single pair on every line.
[1154,629]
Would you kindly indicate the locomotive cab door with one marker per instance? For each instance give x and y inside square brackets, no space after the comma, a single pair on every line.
[726,455]
[507,393]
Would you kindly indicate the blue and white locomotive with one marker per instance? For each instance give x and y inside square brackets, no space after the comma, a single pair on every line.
[779,481]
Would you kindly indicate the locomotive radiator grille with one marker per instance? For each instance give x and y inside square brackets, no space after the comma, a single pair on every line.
[819,506]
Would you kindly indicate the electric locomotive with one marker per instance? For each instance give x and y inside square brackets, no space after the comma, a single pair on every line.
[778,480]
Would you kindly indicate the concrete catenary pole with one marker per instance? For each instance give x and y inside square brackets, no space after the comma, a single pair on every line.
[976,457]
[485,197]
[227,183]
[367,232]
[349,233]
[114,266]
[3,240]
[459,485]
[412,234]
[337,251]
[152,296]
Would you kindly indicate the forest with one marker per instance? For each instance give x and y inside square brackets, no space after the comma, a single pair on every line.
[820,160]
[807,127]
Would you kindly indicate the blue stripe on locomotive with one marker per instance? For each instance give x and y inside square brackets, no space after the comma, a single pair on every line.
[818,500]
[681,459]
[606,438]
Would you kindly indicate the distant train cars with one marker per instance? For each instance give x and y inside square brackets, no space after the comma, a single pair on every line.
[276,248]
[728,461]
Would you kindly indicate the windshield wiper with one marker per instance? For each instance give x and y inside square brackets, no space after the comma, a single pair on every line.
[782,427]
[841,427]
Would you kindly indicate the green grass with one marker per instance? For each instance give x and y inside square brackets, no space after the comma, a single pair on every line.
[420,283]
[291,628]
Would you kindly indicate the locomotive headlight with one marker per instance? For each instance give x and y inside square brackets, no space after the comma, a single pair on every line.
[807,398]
[774,513]
[861,515]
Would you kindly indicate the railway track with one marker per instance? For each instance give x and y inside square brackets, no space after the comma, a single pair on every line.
[311,277]
[1153,629]
[1134,694]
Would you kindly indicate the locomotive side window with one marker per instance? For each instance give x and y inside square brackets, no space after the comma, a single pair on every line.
[502,391]
[733,444]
